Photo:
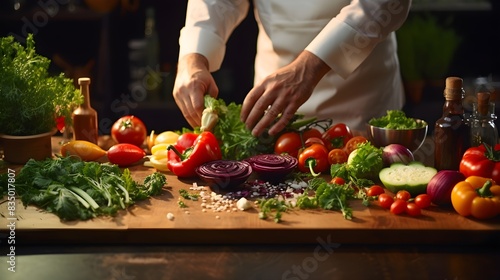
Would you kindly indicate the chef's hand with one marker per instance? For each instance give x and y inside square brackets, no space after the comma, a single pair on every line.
[282,92]
[192,82]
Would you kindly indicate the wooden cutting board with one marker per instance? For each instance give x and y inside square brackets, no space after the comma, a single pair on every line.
[147,222]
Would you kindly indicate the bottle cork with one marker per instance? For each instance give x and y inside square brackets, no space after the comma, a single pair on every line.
[483,102]
[453,89]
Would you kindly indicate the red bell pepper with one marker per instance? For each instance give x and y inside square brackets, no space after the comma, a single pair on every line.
[204,149]
[184,141]
[481,161]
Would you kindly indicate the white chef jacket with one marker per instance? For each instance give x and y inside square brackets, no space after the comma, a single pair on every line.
[355,38]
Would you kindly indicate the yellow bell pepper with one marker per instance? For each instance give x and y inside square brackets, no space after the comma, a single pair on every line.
[478,197]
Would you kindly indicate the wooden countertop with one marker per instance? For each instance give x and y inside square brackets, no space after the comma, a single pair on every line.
[147,223]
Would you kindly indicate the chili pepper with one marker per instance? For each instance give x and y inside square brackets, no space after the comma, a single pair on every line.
[477,196]
[314,159]
[204,149]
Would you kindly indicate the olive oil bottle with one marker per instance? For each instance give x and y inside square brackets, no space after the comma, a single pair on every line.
[85,117]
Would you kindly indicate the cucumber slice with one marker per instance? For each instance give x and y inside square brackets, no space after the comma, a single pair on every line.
[413,177]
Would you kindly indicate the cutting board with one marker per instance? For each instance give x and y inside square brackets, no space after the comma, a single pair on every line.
[147,222]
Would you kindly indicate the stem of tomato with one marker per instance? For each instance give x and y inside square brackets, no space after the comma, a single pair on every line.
[485,191]
[311,162]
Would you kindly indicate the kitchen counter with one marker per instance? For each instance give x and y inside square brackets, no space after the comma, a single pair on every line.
[141,243]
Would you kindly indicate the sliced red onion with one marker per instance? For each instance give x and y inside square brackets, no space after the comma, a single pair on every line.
[440,186]
[394,153]
[224,173]
[273,167]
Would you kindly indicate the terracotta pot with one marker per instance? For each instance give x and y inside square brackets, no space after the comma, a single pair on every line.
[19,149]
[414,91]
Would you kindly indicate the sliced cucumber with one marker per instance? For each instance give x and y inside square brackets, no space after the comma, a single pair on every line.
[413,177]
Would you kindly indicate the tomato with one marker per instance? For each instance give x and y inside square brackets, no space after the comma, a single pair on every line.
[413,210]
[129,129]
[337,136]
[479,161]
[124,154]
[423,200]
[353,143]
[398,206]
[375,190]
[313,140]
[311,133]
[385,200]
[314,159]
[337,156]
[337,180]
[288,143]
[403,195]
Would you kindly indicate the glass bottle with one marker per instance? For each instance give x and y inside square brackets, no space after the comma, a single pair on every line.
[85,117]
[451,132]
[482,124]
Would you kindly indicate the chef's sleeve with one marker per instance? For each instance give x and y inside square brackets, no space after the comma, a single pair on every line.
[208,26]
[349,38]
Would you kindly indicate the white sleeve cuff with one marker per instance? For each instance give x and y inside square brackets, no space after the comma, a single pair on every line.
[197,40]
[341,47]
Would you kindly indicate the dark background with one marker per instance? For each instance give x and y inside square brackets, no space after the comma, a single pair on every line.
[84,35]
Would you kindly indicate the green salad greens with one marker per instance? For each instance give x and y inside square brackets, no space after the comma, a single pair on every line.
[77,190]
[396,119]
[236,140]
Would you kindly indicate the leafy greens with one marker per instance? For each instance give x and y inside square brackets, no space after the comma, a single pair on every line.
[77,190]
[395,119]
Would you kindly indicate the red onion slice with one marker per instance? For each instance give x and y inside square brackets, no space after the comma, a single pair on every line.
[224,173]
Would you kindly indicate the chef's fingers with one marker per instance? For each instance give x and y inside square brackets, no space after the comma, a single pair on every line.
[254,106]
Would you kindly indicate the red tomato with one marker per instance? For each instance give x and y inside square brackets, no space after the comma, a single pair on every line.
[403,195]
[413,210]
[423,200]
[353,143]
[478,161]
[310,133]
[125,154]
[337,180]
[385,200]
[398,206]
[337,136]
[313,140]
[288,143]
[337,156]
[375,190]
[129,129]
[314,157]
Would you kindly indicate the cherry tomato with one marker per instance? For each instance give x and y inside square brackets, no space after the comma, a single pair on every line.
[353,143]
[129,129]
[413,210]
[288,143]
[337,180]
[423,200]
[124,154]
[337,136]
[336,156]
[398,206]
[375,190]
[385,200]
[403,195]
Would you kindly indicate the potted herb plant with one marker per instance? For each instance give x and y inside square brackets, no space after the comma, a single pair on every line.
[31,100]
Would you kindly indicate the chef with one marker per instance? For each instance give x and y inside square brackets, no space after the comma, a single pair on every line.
[324,58]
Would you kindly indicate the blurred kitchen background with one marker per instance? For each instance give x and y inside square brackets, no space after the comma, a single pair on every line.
[129,49]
